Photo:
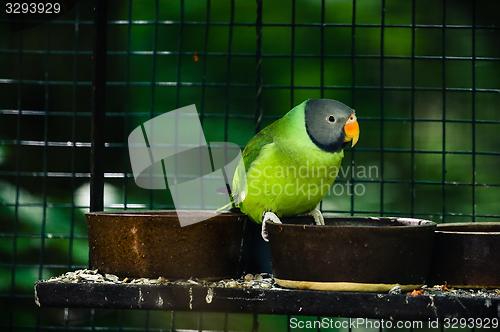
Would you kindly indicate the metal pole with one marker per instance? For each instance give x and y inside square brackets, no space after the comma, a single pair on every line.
[98,111]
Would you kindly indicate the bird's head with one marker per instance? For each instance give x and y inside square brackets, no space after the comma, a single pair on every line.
[330,124]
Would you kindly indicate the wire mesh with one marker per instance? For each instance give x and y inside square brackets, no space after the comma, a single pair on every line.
[422,75]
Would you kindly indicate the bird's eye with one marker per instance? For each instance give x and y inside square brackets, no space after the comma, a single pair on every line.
[331,118]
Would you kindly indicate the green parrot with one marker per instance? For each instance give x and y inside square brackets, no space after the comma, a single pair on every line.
[290,165]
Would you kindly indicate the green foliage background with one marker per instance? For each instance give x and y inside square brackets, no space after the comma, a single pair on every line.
[429,143]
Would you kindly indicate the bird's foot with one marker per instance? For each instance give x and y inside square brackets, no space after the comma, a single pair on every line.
[318,217]
[268,216]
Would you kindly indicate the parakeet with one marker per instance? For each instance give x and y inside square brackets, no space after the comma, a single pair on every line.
[291,164]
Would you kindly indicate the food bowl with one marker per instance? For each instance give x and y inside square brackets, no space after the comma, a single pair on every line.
[467,255]
[352,254]
[153,244]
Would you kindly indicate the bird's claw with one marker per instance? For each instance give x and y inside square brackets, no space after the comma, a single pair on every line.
[268,216]
[318,217]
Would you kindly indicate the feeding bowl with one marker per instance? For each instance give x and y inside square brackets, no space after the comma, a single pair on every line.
[153,244]
[467,255]
[352,254]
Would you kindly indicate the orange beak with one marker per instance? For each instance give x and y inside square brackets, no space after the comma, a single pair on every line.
[351,130]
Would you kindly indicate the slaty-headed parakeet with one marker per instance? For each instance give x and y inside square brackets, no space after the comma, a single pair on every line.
[291,164]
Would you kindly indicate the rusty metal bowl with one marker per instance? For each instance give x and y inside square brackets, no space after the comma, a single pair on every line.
[153,244]
[352,254]
[467,255]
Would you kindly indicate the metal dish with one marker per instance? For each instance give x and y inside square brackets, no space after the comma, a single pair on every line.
[467,255]
[152,244]
[352,254]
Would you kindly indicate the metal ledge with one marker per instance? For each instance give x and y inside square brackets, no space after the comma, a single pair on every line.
[172,296]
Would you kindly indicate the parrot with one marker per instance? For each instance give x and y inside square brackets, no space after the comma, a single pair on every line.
[290,165]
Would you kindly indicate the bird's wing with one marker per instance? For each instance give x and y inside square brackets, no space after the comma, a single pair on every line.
[250,154]
[255,145]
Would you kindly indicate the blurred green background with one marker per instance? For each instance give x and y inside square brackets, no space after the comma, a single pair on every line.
[424,83]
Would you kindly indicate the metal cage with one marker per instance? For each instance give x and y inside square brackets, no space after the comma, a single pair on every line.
[423,76]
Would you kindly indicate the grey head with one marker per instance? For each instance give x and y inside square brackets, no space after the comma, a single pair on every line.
[325,120]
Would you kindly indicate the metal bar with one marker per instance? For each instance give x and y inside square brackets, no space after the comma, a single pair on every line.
[251,85]
[258,68]
[37,236]
[252,24]
[172,321]
[28,327]
[292,56]
[153,81]
[47,266]
[41,257]
[211,114]
[64,236]
[382,113]
[177,104]
[322,91]
[119,175]
[76,32]
[413,195]
[178,82]
[17,165]
[200,322]
[228,71]
[125,53]
[322,50]
[353,95]
[474,110]
[203,93]
[339,181]
[443,118]
[126,115]
[205,56]
[153,103]
[322,63]
[273,301]
[99,109]
[92,319]
[227,102]
[255,322]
